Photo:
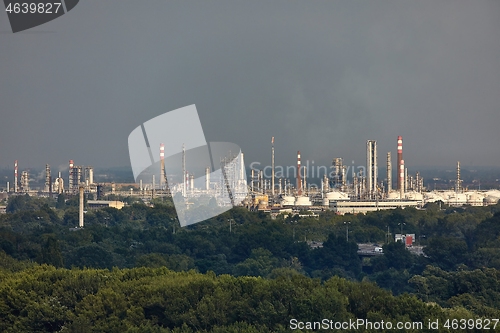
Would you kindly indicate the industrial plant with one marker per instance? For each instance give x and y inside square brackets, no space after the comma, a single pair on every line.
[343,189]
[363,192]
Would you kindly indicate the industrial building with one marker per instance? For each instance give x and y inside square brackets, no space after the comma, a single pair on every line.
[358,191]
[99,204]
[363,207]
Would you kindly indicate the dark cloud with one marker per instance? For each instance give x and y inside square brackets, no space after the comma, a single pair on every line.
[322,77]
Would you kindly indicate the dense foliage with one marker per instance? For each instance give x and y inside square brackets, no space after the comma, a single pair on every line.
[46,299]
[98,267]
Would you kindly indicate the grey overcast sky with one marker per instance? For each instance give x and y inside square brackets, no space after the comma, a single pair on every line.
[321,76]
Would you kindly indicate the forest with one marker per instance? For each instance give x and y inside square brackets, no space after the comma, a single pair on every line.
[136,270]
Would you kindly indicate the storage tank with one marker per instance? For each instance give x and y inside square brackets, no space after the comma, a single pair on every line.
[263,204]
[475,199]
[414,196]
[302,201]
[258,198]
[288,201]
[433,197]
[393,195]
[334,196]
[491,200]
[457,199]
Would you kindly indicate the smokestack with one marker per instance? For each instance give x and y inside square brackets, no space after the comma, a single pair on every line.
[184,170]
[262,185]
[305,184]
[401,179]
[400,160]
[389,172]
[191,182]
[272,167]
[242,180]
[406,180]
[207,178]
[252,176]
[162,165]
[70,183]
[80,215]
[299,180]
[417,182]
[8,187]
[16,180]
[371,165]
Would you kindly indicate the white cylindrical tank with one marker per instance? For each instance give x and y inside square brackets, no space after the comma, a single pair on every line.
[393,195]
[491,200]
[302,201]
[288,201]
[457,199]
[475,199]
[433,197]
[336,195]
[414,196]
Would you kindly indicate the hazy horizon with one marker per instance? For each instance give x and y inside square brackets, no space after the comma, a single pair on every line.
[321,77]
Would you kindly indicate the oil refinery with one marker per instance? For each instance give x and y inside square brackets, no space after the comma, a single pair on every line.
[342,189]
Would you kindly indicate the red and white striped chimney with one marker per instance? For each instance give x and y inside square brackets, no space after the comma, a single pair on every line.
[162,151]
[299,178]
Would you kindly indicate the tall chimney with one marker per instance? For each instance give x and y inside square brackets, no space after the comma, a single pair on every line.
[406,180]
[184,175]
[400,160]
[417,182]
[299,180]
[162,165]
[401,179]
[16,179]
[272,166]
[207,178]
[80,215]
[262,184]
[252,176]
[389,172]
[371,166]
[70,183]
[305,176]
